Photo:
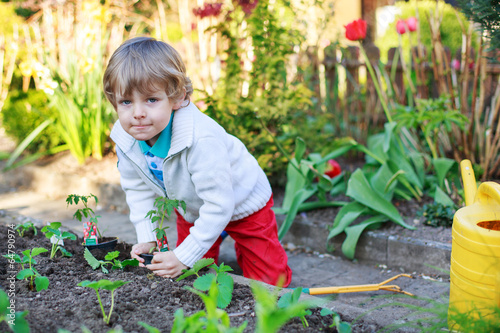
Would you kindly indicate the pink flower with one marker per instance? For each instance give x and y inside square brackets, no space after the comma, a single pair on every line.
[401,27]
[356,30]
[412,23]
[455,64]
[208,9]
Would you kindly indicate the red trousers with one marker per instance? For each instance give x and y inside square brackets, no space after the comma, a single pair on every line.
[258,250]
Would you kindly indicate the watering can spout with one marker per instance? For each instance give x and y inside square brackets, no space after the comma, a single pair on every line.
[469,181]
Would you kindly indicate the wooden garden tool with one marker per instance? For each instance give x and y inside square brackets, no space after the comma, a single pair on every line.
[359,288]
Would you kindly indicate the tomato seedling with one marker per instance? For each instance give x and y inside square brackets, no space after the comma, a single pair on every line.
[57,237]
[106,285]
[164,207]
[86,212]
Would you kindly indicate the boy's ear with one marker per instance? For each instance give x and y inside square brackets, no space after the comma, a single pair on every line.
[177,105]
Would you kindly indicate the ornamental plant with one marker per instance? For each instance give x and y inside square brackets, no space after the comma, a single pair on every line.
[108,285]
[57,237]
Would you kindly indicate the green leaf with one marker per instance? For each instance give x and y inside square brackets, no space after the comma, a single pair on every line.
[22,274]
[441,197]
[150,328]
[111,255]
[442,167]
[68,235]
[92,261]
[41,282]
[130,262]
[300,196]
[300,149]
[354,232]
[37,250]
[345,217]
[226,285]
[204,282]
[360,190]
[20,323]
[112,285]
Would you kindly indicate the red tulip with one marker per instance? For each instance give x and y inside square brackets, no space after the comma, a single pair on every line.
[401,27]
[355,30]
[412,22]
[332,168]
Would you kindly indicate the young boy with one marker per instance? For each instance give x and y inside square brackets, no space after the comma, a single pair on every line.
[167,147]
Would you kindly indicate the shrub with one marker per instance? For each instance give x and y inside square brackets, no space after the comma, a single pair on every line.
[23,112]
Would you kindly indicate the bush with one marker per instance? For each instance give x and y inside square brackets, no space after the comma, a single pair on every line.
[23,112]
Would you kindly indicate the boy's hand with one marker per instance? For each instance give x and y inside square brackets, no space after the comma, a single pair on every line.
[166,264]
[140,249]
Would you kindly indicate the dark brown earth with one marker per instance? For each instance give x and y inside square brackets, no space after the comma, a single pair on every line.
[146,298]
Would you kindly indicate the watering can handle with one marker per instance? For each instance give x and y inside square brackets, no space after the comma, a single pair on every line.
[488,193]
[469,181]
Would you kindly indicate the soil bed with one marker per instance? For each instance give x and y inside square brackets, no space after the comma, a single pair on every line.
[146,298]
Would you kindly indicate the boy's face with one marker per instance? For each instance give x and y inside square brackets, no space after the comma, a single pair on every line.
[144,117]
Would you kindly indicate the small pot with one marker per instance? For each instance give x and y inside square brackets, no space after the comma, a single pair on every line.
[147,258]
[107,243]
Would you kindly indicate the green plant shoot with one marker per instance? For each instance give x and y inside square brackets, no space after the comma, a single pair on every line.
[22,228]
[224,281]
[271,317]
[291,298]
[16,321]
[86,212]
[106,285]
[213,319]
[109,259]
[342,326]
[57,237]
[35,279]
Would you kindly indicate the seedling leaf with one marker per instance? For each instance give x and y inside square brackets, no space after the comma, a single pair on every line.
[204,282]
[93,262]
[112,255]
[25,273]
[41,282]
[37,250]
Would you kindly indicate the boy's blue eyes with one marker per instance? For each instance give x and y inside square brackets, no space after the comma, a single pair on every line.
[150,100]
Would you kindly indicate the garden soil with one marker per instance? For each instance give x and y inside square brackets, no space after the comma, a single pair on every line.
[26,195]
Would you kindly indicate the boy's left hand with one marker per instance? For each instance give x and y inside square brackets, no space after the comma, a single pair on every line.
[166,264]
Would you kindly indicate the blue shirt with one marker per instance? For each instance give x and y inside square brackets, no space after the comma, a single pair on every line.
[156,154]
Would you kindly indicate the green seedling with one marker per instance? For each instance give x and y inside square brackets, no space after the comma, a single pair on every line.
[211,320]
[106,285]
[109,259]
[22,228]
[342,326]
[35,279]
[224,281]
[86,212]
[164,207]
[271,317]
[57,237]
[15,320]
[291,298]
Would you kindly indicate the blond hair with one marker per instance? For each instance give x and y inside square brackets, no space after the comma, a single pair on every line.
[146,65]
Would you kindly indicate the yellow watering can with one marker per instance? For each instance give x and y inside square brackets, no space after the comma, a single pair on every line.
[475,252]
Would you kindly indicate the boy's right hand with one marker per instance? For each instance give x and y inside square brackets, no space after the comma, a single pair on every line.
[140,249]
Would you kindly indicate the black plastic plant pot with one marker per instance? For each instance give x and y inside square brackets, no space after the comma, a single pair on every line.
[107,244]
[147,258]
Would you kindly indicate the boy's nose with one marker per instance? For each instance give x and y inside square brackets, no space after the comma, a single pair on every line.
[139,112]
